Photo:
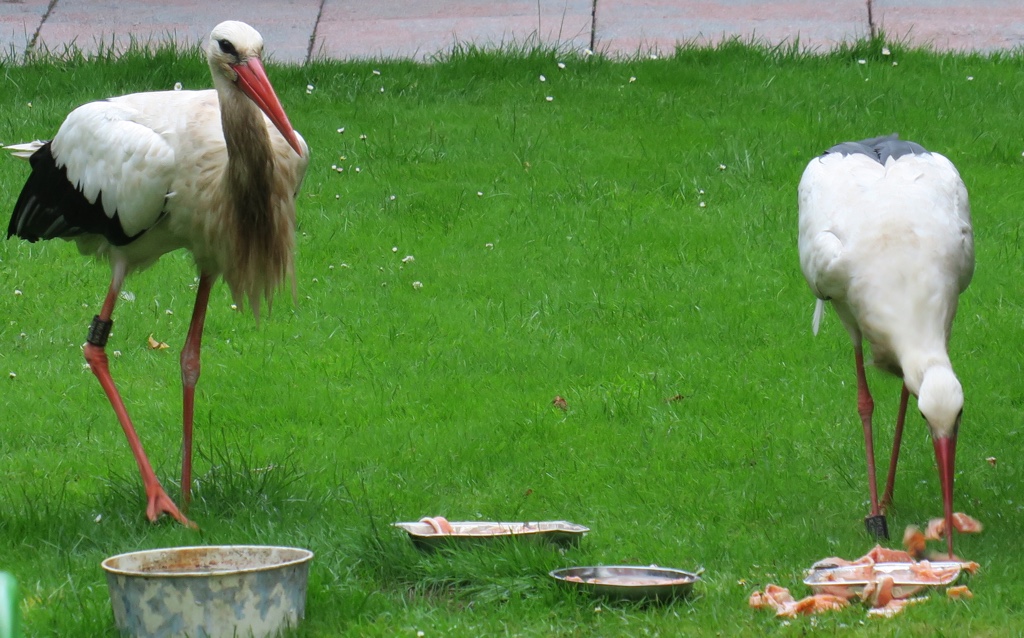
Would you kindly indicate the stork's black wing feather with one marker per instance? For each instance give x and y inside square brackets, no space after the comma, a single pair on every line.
[51,206]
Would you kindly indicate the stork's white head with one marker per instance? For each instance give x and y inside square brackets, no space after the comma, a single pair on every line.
[234,54]
[941,401]
[232,43]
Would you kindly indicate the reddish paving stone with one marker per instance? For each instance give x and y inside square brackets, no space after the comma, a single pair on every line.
[982,25]
[422,29]
[18,23]
[93,24]
[629,27]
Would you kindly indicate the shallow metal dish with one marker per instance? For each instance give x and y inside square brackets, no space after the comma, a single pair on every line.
[628,582]
[850,580]
[558,532]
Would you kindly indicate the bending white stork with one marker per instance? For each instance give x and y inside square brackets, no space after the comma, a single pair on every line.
[133,177]
[885,235]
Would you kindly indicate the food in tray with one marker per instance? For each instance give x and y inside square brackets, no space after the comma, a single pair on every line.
[878,554]
[631,581]
[439,524]
[432,532]
[883,579]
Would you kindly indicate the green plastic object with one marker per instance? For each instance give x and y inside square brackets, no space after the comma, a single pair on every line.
[9,626]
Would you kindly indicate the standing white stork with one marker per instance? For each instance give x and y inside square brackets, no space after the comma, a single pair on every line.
[885,235]
[133,177]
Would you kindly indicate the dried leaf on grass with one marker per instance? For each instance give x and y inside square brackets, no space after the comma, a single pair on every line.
[156,345]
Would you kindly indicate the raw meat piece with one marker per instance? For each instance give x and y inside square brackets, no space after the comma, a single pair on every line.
[961,522]
[926,572]
[894,607]
[914,541]
[439,524]
[779,599]
[879,592]
[880,554]
[960,592]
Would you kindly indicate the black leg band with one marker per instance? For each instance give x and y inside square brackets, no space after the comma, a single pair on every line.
[99,331]
[877,526]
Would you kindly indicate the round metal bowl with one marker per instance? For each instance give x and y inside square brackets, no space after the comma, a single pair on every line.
[227,590]
[627,582]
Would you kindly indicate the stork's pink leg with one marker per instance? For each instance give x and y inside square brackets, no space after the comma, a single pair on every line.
[865,407]
[189,377]
[897,439]
[157,500]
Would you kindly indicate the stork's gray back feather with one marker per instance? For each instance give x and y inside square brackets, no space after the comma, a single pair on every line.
[880,149]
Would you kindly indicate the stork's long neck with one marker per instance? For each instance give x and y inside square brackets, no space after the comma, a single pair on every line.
[261,239]
[915,366]
[250,160]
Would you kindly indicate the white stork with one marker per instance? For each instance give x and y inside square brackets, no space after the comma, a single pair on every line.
[133,177]
[885,235]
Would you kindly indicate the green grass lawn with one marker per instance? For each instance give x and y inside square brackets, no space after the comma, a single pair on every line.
[627,241]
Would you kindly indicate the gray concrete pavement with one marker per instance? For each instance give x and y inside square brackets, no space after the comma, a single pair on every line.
[296,30]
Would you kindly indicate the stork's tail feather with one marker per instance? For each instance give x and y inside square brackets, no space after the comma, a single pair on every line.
[26,150]
[819,312]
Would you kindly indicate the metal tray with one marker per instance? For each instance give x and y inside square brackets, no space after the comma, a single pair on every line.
[850,580]
[628,582]
[558,532]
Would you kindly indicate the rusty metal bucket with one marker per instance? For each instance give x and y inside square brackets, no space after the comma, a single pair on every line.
[227,590]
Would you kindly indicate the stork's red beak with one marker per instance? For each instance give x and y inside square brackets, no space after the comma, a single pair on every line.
[945,453]
[254,82]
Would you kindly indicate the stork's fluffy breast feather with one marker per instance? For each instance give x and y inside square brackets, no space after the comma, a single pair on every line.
[106,148]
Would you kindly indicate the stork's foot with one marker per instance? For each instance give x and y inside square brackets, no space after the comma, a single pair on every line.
[160,503]
[877,526]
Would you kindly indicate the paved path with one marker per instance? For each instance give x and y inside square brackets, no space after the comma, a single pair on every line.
[297,30]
